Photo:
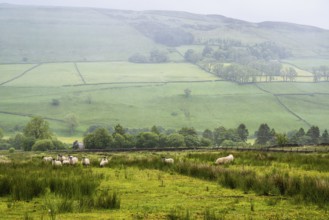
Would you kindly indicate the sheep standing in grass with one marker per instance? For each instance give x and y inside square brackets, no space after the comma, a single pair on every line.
[61,157]
[47,159]
[224,160]
[103,162]
[73,160]
[56,163]
[66,162]
[168,160]
[85,161]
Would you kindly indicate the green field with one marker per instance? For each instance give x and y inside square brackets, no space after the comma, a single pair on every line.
[143,95]
[191,188]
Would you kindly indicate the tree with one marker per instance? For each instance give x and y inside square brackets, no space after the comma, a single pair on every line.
[119,140]
[219,135]
[43,145]
[55,102]
[187,93]
[175,140]
[147,140]
[99,139]
[157,56]
[191,141]
[207,51]
[243,132]
[208,134]
[118,129]
[154,129]
[72,122]
[314,134]
[264,134]
[325,137]
[187,131]
[37,128]
[281,139]
[138,58]
[191,56]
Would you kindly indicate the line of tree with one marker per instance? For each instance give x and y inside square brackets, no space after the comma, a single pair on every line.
[247,63]
[38,137]
[155,56]
[320,73]
[267,136]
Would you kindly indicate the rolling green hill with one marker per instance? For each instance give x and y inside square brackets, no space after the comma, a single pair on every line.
[57,34]
[56,61]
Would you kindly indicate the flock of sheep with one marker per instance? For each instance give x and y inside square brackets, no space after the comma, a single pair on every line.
[71,160]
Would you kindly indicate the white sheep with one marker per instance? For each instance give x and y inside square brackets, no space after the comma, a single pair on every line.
[56,162]
[168,160]
[73,160]
[103,162]
[61,157]
[66,162]
[224,160]
[47,159]
[85,161]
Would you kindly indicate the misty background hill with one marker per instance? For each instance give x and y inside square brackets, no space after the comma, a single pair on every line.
[53,34]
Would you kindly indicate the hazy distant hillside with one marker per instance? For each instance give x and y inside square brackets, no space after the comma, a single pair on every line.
[51,34]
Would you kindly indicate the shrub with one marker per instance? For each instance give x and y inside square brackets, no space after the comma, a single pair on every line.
[43,145]
[11,150]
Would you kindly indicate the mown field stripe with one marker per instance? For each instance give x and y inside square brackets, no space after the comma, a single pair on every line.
[22,74]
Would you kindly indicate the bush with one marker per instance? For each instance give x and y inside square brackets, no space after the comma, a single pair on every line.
[43,145]
[11,150]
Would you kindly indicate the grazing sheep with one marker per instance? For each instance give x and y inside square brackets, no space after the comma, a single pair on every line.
[224,160]
[66,162]
[103,162]
[61,157]
[73,160]
[168,160]
[56,162]
[47,159]
[85,161]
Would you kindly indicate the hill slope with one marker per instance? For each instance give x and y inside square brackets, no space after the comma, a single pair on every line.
[52,34]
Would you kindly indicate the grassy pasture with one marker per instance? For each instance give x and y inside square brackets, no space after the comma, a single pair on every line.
[308,62]
[193,186]
[139,96]
[119,72]
[49,75]
[9,71]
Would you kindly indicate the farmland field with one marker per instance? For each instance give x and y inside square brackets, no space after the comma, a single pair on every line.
[192,188]
[143,95]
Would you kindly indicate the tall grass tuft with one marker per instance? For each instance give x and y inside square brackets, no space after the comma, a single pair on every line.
[179,215]
[106,200]
[69,182]
[211,215]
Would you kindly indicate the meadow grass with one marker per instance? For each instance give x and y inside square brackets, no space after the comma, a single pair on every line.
[49,75]
[146,188]
[119,72]
[308,62]
[9,71]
